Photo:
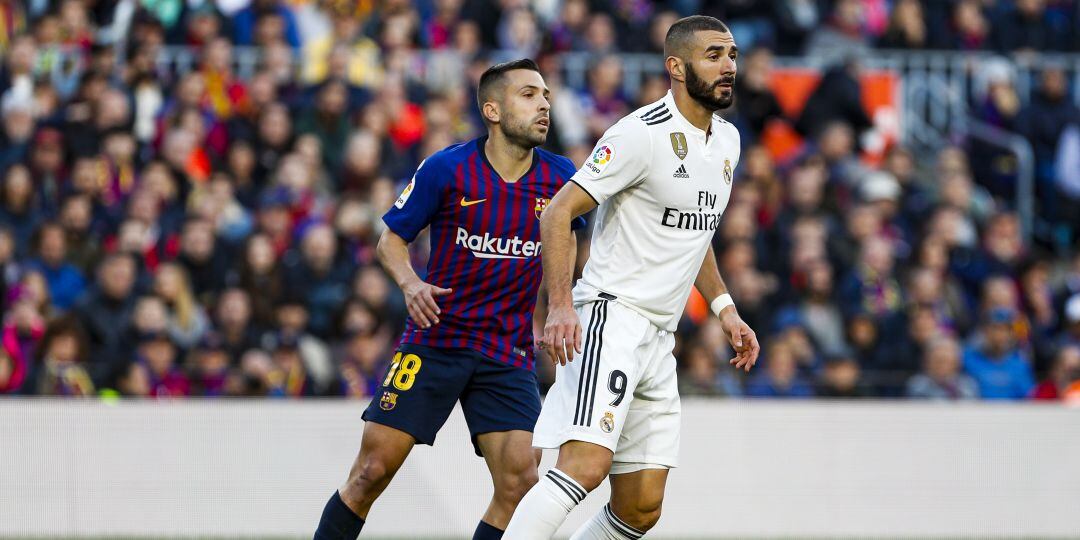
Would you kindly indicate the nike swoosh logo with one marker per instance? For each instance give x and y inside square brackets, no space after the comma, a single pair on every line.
[466,202]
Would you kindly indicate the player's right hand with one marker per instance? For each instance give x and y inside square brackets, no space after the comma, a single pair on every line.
[420,300]
[562,334]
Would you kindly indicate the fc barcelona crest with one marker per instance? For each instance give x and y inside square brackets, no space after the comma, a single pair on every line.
[678,144]
[388,401]
[541,204]
[727,171]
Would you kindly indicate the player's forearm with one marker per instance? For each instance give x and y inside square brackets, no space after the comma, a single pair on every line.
[541,309]
[540,313]
[558,254]
[708,282]
[571,261]
[393,253]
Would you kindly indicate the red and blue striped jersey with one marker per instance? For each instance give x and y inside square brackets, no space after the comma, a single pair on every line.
[485,245]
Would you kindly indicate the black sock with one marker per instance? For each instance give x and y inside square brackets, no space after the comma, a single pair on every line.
[338,521]
[486,532]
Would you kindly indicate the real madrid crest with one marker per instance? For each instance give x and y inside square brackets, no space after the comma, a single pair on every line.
[607,423]
[678,144]
[727,171]
[388,401]
[541,204]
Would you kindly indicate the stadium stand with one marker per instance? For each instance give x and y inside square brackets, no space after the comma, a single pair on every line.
[192,190]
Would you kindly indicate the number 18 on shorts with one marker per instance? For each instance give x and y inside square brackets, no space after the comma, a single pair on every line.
[621,392]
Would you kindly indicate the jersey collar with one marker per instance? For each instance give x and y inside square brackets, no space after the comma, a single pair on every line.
[535,161]
[685,124]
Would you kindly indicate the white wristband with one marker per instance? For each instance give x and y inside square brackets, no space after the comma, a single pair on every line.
[720,302]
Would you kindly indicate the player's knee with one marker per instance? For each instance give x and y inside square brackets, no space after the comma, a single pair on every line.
[511,487]
[589,477]
[369,479]
[641,515]
[587,467]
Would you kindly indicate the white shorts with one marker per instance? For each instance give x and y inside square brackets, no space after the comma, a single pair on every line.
[621,392]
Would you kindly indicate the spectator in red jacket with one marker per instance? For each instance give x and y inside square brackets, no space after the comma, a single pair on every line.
[1065,371]
[12,372]
[20,337]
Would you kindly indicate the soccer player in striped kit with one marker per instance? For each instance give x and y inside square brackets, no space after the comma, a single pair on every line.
[469,335]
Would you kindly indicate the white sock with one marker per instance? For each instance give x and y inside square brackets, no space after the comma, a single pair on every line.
[544,508]
[605,525]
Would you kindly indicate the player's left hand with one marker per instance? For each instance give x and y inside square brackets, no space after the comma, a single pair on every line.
[562,334]
[742,339]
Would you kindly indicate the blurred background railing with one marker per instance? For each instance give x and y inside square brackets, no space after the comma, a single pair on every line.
[937,92]
[937,85]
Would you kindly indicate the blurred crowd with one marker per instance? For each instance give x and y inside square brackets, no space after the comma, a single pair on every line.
[172,229]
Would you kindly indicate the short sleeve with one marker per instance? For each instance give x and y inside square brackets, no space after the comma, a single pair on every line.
[566,170]
[418,202]
[738,145]
[619,161]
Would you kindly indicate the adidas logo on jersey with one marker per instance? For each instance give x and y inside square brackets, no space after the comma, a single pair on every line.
[681,172]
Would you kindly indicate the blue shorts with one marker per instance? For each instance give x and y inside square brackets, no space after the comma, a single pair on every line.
[423,383]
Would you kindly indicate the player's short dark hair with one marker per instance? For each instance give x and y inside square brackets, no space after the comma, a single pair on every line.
[494,78]
[679,36]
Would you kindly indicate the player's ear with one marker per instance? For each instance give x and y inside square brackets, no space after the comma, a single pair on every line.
[491,111]
[676,69]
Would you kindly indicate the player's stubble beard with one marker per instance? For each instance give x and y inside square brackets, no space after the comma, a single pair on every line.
[523,133]
[704,92]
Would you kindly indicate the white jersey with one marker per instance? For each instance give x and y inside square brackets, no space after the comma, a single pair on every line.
[662,187]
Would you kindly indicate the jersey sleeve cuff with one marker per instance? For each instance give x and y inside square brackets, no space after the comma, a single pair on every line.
[587,192]
[399,229]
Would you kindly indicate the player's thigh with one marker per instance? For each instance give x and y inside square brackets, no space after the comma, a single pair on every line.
[637,497]
[508,451]
[419,390]
[500,398]
[653,426]
[593,394]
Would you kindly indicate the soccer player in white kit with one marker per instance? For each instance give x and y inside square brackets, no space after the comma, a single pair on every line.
[661,178]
